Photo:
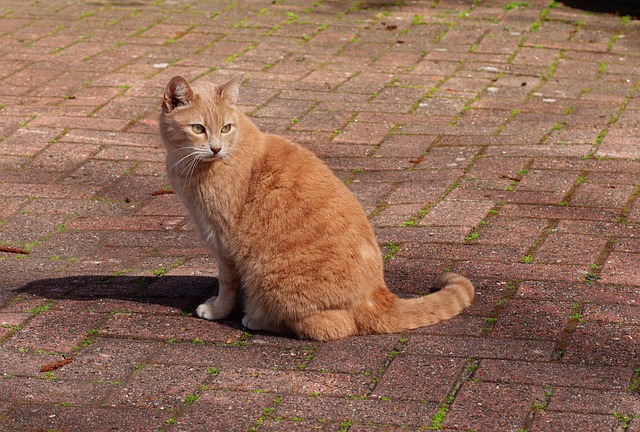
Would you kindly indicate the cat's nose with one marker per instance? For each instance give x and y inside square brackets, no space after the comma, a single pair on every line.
[215,150]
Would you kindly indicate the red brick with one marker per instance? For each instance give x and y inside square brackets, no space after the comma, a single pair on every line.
[160,327]
[532,320]
[234,411]
[28,141]
[419,378]
[570,249]
[46,190]
[132,223]
[464,346]
[604,343]
[559,291]
[159,386]
[596,195]
[53,391]
[593,401]
[626,314]
[491,406]
[52,331]
[232,357]
[362,411]
[555,374]
[345,356]
[621,268]
[54,417]
[292,382]
[457,213]
[552,421]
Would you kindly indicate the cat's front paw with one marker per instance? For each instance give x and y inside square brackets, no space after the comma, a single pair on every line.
[209,311]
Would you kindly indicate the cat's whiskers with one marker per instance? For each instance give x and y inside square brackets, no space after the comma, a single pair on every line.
[189,168]
[230,157]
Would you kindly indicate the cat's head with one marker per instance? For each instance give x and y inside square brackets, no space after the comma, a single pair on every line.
[199,121]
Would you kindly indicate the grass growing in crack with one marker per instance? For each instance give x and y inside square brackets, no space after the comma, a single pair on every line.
[474,235]
[438,418]
[516,5]
[635,381]
[190,399]
[265,414]
[42,308]
[345,425]
[623,420]
[392,250]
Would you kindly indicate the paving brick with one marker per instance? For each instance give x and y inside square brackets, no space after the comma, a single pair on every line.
[599,293]
[40,390]
[345,356]
[166,328]
[554,374]
[159,386]
[532,320]
[570,249]
[369,411]
[419,378]
[292,382]
[478,347]
[303,426]
[233,357]
[593,401]
[108,360]
[621,268]
[51,331]
[551,421]
[603,343]
[39,417]
[458,213]
[233,411]
[491,406]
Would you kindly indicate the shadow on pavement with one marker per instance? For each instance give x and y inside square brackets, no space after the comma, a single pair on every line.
[181,292]
[619,7]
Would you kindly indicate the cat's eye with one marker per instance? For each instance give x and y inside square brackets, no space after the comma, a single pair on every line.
[226,128]
[197,129]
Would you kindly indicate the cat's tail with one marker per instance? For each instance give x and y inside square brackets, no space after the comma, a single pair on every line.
[392,314]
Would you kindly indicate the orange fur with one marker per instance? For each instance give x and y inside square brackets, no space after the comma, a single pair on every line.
[282,227]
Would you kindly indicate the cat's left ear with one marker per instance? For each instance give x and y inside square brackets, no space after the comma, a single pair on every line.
[178,93]
[230,90]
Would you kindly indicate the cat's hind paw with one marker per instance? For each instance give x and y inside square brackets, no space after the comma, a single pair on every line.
[249,323]
[209,311]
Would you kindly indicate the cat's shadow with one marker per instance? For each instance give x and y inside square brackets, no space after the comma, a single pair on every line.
[178,294]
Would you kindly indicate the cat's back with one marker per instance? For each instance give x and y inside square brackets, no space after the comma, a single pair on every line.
[292,186]
[298,170]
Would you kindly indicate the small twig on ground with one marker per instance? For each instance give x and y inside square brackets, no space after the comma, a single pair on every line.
[10,249]
[57,365]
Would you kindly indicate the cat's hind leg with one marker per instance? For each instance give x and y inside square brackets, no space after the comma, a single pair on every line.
[260,323]
[327,325]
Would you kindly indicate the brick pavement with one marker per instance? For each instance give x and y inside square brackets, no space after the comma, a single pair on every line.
[498,139]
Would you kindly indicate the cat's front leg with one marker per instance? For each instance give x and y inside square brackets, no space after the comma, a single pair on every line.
[221,306]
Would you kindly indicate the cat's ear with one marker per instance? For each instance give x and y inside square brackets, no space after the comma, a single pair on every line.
[178,93]
[230,90]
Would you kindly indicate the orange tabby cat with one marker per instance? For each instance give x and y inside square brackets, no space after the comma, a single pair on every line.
[282,227]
